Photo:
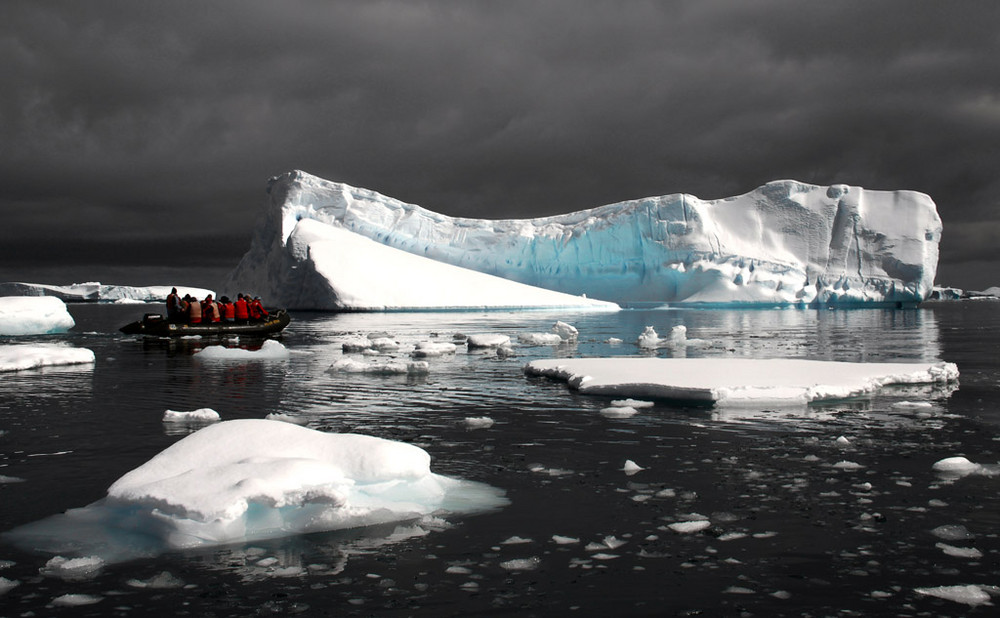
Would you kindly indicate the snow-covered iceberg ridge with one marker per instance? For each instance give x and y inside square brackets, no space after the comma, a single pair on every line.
[242,480]
[783,243]
[94,291]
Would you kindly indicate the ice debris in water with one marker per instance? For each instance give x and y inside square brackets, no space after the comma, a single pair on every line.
[619,412]
[847,465]
[7,585]
[959,552]
[564,540]
[76,600]
[952,532]
[202,415]
[688,527]
[539,339]
[650,339]
[33,315]
[632,403]
[487,341]
[969,595]
[426,349]
[608,542]
[912,404]
[842,441]
[248,479]
[287,418]
[521,564]
[631,467]
[162,581]
[958,466]
[348,365]
[478,422]
[21,357]
[73,569]
[270,350]
[516,540]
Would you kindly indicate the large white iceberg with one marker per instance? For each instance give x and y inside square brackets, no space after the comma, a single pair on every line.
[252,479]
[783,243]
[31,315]
[736,381]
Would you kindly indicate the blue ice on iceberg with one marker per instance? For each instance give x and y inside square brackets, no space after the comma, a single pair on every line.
[327,245]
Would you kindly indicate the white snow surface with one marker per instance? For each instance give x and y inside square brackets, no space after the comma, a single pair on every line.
[736,381]
[245,479]
[95,291]
[786,242]
[28,315]
[269,350]
[19,357]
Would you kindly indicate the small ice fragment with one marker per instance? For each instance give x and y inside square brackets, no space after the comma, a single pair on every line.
[521,564]
[784,595]
[959,552]
[912,404]
[632,403]
[426,349]
[567,332]
[7,585]
[732,536]
[604,556]
[738,590]
[687,527]
[76,600]
[564,540]
[72,568]
[952,532]
[847,465]
[613,341]
[487,341]
[478,422]
[10,479]
[631,467]
[458,570]
[201,415]
[969,595]
[843,441]
[619,412]
[164,580]
[539,339]
[956,465]
[665,493]
[516,540]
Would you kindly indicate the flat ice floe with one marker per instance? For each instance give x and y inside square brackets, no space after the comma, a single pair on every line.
[33,315]
[20,357]
[253,479]
[736,381]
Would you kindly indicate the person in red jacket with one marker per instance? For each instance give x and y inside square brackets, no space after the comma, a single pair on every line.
[193,309]
[257,310]
[242,309]
[209,310]
[228,310]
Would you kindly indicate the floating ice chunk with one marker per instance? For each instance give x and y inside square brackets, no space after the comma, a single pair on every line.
[566,332]
[735,381]
[20,357]
[564,540]
[969,595]
[10,479]
[539,339]
[76,600]
[458,570]
[952,532]
[521,564]
[613,341]
[478,422]
[739,590]
[842,441]
[631,467]
[73,569]
[651,340]
[619,412]
[201,415]
[687,527]
[33,315]
[385,344]
[241,480]
[957,466]
[270,350]
[847,465]
[162,581]
[356,344]
[425,349]
[6,585]
[487,341]
[632,403]
[348,365]
[959,552]
[516,540]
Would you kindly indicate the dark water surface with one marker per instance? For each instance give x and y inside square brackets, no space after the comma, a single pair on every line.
[791,532]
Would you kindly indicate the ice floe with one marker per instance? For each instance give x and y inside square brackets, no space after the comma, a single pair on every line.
[33,315]
[348,365]
[736,381]
[20,357]
[201,415]
[240,480]
[270,350]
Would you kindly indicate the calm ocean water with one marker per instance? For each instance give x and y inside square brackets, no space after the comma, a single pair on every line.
[791,534]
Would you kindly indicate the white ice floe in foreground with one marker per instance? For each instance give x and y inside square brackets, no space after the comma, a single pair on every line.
[736,381]
[270,350]
[252,479]
[19,357]
[33,315]
[328,245]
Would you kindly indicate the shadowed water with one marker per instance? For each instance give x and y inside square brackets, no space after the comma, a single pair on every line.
[800,521]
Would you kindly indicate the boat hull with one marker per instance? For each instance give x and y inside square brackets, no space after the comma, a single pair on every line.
[155,325]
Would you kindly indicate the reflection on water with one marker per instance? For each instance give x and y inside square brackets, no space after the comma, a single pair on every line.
[801,521]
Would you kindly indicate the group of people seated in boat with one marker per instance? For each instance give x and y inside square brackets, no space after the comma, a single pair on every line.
[190,310]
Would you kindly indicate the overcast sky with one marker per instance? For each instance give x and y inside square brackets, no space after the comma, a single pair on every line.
[145,132]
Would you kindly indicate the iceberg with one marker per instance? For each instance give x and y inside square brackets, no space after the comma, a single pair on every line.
[98,292]
[736,381]
[327,245]
[33,316]
[251,479]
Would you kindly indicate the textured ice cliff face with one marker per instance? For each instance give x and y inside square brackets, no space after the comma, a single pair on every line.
[783,243]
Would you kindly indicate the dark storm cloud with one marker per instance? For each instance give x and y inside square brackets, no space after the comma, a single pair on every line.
[155,121]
